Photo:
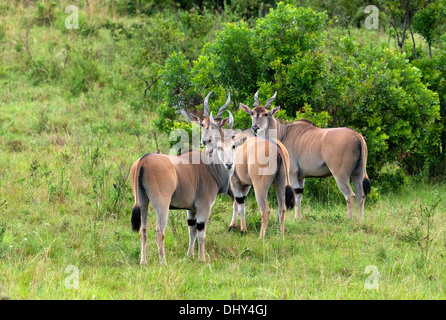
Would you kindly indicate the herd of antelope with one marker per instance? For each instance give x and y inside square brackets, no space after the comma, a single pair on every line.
[270,152]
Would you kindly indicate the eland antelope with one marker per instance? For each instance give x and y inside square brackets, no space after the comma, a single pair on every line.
[258,163]
[317,152]
[181,182]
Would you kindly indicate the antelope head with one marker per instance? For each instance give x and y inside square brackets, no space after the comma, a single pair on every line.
[224,144]
[260,115]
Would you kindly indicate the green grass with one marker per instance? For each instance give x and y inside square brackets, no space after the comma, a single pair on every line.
[65,197]
[322,256]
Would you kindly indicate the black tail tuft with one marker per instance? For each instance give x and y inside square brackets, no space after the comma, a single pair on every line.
[289,197]
[366,186]
[136,218]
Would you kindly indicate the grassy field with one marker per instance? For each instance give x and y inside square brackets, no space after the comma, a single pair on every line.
[70,128]
[322,256]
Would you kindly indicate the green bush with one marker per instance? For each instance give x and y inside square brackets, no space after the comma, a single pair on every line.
[428,20]
[434,76]
[385,100]
[376,91]
[281,53]
[176,89]
[236,64]
[391,178]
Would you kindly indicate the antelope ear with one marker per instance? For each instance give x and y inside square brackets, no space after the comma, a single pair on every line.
[274,111]
[241,141]
[195,119]
[246,108]
[223,122]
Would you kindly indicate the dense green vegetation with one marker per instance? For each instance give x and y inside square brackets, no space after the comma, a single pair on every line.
[78,106]
[326,75]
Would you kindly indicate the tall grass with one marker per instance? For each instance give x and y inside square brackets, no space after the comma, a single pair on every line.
[323,256]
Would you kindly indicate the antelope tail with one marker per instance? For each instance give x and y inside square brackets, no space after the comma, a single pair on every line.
[136,218]
[136,174]
[289,191]
[366,181]
[289,197]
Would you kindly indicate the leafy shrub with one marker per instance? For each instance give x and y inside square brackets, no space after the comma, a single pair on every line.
[381,95]
[427,20]
[321,119]
[235,61]
[434,76]
[375,91]
[176,82]
[281,53]
[176,85]
[391,178]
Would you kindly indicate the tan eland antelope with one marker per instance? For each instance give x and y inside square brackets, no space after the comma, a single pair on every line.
[317,152]
[259,163]
[179,182]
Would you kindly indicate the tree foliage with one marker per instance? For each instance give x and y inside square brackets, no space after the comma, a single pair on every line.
[376,91]
[428,20]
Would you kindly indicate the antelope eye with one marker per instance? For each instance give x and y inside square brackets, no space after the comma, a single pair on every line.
[233,147]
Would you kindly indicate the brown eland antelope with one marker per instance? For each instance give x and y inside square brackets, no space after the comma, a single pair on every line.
[258,163]
[181,182]
[317,152]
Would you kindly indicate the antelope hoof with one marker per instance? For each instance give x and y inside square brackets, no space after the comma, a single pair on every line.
[231,228]
[243,232]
